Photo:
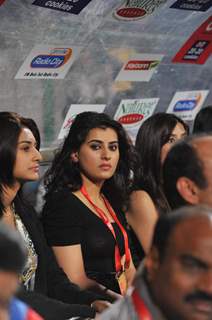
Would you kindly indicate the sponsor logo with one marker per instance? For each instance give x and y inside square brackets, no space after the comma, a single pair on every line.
[196,50]
[68,123]
[131,118]
[196,5]
[187,104]
[136,9]
[133,65]
[208,28]
[70,6]
[132,113]
[55,59]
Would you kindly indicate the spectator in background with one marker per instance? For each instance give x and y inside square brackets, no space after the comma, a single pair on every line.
[203,121]
[12,260]
[175,282]
[87,186]
[187,172]
[147,201]
[43,284]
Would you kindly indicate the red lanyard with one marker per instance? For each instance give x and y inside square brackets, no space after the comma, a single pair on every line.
[110,227]
[140,307]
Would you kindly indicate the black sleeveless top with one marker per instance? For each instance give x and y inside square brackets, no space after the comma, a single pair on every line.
[68,221]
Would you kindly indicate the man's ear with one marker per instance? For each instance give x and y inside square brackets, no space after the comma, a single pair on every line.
[74,157]
[188,190]
[152,263]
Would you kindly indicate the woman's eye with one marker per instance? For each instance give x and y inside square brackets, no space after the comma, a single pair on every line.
[95,146]
[171,140]
[27,148]
[113,147]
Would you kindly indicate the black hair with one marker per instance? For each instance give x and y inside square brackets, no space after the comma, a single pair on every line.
[11,125]
[203,121]
[31,125]
[12,250]
[182,161]
[64,173]
[152,135]
[166,225]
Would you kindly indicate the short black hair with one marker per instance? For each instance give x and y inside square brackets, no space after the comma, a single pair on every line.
[203,121]
[12,250]
[166,224]
[182,161]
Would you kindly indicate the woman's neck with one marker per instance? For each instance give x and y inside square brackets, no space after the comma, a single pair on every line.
[92,188]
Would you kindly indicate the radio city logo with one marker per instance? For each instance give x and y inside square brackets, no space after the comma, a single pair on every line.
[134,65]
[136,9]
[56,58]
[187,104]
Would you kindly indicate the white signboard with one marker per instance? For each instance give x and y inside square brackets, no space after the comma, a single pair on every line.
[74,110]
[139,67]
[48,62]
[186,104]
[132,112]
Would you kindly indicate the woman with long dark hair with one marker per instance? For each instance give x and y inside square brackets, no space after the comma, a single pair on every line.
[154,139]
[43,284]
[87,186]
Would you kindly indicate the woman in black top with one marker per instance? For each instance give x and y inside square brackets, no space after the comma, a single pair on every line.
[87,186]
[44,286]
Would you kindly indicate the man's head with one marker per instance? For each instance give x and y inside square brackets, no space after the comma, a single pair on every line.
[187,172]
[203,120]
[179,264]
[12,261]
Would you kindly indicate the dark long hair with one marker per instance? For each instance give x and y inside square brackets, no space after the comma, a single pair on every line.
[152,135]
[64,173]
[11,125]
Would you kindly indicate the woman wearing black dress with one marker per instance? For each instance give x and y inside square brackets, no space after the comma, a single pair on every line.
[87,187]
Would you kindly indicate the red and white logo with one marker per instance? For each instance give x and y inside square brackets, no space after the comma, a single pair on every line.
[133,10]
[141,65]
[130,118]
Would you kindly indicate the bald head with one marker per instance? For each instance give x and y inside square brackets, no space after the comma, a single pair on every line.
[179,264]
[187,215]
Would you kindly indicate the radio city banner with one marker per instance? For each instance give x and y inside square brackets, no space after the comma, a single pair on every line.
[139,67]
[186,104]
[73,111]
[45,62]
[194,5]
[132,112]
[198,47]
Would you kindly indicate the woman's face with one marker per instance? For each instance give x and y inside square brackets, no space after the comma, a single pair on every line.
[98,156]
[27,158]
[178,133]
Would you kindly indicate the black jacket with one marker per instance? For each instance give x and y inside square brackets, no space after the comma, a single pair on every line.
[51,283]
